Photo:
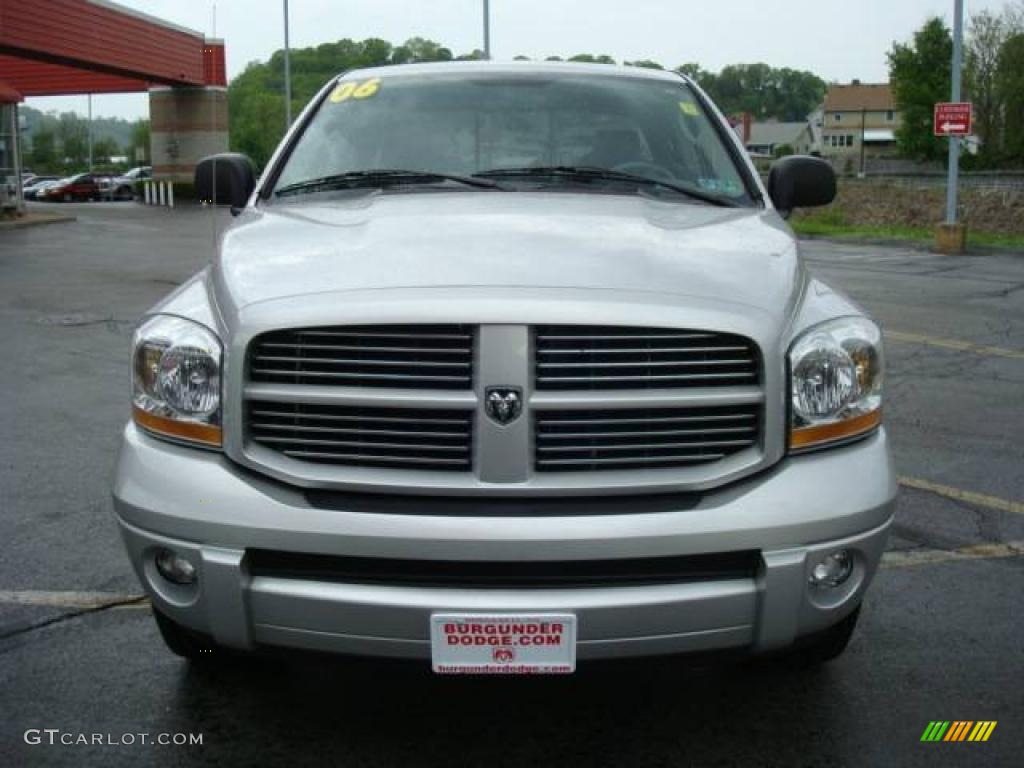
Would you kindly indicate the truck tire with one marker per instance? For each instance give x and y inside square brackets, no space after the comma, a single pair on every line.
[828,644]
[184,642]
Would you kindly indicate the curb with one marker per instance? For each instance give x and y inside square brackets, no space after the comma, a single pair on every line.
[35,220]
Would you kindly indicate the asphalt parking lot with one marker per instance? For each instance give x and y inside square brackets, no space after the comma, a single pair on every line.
[940,638]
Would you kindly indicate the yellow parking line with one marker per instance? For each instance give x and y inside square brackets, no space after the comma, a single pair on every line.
[955,344]
[66,599]
[967,497]
[913,557]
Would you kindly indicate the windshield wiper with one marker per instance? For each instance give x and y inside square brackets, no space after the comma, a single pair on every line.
[587,173]
[380,178]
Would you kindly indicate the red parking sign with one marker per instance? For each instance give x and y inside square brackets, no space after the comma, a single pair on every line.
[953,119]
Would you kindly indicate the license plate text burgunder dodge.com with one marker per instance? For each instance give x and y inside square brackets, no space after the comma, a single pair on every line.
[503,644]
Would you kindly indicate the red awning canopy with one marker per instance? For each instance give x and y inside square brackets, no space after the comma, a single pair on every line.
[95,46]
[8,95]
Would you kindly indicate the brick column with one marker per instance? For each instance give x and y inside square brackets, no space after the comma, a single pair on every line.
[186,125]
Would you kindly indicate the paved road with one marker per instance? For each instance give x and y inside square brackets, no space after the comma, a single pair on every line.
[940,638]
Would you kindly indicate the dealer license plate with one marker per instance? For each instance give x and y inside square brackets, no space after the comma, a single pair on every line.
[499,644]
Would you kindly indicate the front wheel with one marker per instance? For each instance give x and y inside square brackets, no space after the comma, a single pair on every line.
[828,644]
[183,641]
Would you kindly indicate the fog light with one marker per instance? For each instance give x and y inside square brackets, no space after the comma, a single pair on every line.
[833,569]
[174,567]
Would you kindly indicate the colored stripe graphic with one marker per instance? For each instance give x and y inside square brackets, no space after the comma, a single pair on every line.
[982,730]
[935,730]
[958,730]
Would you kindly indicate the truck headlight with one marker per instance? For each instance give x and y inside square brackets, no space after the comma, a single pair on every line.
[176,367]
[835,382]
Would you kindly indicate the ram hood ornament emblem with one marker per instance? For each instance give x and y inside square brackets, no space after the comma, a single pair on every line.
[503,404]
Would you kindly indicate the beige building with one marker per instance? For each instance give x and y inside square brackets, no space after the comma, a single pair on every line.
[855,115]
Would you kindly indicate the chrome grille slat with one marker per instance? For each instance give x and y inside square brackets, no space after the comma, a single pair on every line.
[630,439]
[652,420]
[626,335]
[357,459]
[361,419]
[391,437]
[591,358]
[372,333]
[357,348]
[679,380]
[438,357]
[365,378]
[338,361]
[652,433]
[659,462]
[613,448]
[364,444]
[360,431]
[646,364]
[640,351]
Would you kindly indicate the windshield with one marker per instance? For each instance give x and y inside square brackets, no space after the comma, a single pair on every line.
[467,124]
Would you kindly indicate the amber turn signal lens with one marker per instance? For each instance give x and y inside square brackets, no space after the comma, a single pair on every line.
[806,437]
[205,434]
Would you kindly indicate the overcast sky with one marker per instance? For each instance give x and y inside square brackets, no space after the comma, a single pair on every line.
[837,39]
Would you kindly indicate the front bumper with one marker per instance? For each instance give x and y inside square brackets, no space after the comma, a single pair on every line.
[206,508]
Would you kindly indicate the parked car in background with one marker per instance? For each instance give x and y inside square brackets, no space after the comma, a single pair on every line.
[37,185]
[139,173]
[125,187]
[84,186]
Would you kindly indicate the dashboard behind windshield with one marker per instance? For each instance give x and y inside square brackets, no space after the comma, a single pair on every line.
[465,124]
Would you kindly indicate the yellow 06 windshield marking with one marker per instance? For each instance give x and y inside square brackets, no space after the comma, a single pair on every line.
[355,90]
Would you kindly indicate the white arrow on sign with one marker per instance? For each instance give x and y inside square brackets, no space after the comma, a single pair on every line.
[953,127]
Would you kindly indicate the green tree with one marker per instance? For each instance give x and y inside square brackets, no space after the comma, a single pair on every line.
[987,33]
[763,91]
[1010,88]
[43,157]
[645,63]
[589,58]
[920,77]
[419,49]
[139,141]
[74,139]
[103,149]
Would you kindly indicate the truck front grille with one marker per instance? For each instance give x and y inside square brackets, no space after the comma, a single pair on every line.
[584,440]
[642,407]
[504,575]
[586,357]
[396,356]
[396,438]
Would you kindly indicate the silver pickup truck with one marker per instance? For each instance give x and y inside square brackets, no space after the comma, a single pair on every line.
[505,366]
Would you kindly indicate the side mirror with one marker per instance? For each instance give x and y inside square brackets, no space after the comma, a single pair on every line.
[799,181]
[225,179]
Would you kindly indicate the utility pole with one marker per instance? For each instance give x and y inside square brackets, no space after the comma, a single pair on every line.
[287,74]
[487,29]
[863,135]
[954,142]
[89,132]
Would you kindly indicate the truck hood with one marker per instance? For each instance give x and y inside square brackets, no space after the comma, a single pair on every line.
[552,240]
